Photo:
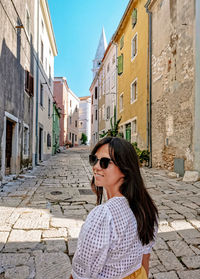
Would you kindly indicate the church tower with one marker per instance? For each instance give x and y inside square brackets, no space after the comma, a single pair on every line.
[99,53]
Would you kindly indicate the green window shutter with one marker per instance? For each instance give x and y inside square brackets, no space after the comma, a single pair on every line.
[122,42]
[134,18]
[120,64]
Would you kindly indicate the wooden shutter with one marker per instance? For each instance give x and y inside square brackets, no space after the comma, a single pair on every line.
[27,81]
[31,85]
[120,64]
[134,18]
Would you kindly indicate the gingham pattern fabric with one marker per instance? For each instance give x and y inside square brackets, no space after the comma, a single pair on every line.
[108,245]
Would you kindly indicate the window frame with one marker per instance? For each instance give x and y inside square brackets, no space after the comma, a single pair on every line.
[135,81]
[136,46]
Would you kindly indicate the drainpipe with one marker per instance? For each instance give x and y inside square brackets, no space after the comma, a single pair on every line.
[116,79]
[197,89]
[149,113]
[37,88]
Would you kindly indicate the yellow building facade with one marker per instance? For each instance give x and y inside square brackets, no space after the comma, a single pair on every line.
[131,38]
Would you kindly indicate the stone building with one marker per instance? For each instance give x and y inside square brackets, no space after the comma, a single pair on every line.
[69,105]
[85,117]
[131,37]
[46,50]
[16,85]
[175,84]
[94,88]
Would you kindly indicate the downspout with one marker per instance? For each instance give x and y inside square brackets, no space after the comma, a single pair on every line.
[149,113]
[37,88]
[197,90]
[116,78]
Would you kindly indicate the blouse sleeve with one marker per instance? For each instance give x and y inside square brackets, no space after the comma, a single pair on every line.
[147,248]
[93,244]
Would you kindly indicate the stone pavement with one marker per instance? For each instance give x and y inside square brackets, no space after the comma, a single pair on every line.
[41,214]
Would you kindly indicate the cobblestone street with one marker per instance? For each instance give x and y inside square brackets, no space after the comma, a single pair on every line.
[41,214]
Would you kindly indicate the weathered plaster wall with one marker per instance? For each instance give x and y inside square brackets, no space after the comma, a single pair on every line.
[16,52]
[172,82]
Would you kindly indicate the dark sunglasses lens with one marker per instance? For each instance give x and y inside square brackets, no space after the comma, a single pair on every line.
[104,162]
[92,160]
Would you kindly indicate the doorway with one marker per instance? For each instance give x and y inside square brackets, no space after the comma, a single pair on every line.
[128,132]
[40,143]
[72,139]
[9,137]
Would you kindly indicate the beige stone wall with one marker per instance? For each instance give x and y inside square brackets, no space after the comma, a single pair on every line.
[172,82]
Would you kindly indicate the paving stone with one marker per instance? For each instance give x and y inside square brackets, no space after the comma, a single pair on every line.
[20,239]
[55,245]
[191,262]
[160,244]
[3,239]
[52,265]
[73,226]
[189,274]
[166,275]
[180,248]
[55,233]
[33,220]
[72,245]
[191,176]
[169,260]
[192,233]
[13,259]
[77,213]
[89,207]
[19,272]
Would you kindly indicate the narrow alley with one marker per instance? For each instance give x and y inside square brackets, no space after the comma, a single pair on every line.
[41,214]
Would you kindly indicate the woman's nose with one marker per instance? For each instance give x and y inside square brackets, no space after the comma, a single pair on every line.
[97,166]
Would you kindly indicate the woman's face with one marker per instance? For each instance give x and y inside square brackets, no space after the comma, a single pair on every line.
[111,177]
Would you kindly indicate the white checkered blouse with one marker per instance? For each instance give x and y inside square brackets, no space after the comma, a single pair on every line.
[108,244]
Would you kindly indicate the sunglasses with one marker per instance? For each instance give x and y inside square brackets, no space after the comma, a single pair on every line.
[104,162]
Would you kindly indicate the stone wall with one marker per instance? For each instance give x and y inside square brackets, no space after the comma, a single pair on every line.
[172,82]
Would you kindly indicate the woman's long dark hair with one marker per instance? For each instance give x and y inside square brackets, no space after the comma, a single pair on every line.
[124,156]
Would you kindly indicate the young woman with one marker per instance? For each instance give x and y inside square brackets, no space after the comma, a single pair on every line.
[117,236]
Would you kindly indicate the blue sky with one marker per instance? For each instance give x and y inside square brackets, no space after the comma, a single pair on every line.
[77,27]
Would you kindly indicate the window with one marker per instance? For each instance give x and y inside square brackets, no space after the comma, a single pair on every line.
[48,140]
[81,124]
[108,86]
[27,22]
[41,94]
[29,83]
[70,120]
[134,18]
[108,67]
[76,109]
[49,107]
[96,114]
[113,59]
[134,47]
[92,100]
[122,42]
[76,123]
[49,74]
[133,91]
[70,136]
[121,102]
[96,92]
[26,141]
[75,137]
[134,127]
[92,119]
[113,80]
[42,51]
[70,103]
[120,64]
[108,113]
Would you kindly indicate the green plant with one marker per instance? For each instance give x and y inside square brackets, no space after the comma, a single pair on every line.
[83,138]
[114,124]
[143,155]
